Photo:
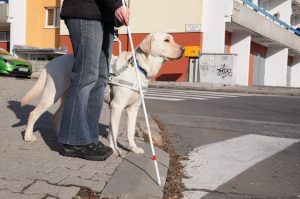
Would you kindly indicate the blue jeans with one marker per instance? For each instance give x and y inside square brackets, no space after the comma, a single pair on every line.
[92,45]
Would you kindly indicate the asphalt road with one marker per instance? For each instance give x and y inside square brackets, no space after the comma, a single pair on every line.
[238,145]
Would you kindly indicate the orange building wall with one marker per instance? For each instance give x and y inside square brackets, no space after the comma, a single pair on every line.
[171,70]
[228,41]
[4,45]
[255,47]
[290,60]
[65,42]
[37,35]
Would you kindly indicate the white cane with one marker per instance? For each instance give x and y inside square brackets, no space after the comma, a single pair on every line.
[143,101]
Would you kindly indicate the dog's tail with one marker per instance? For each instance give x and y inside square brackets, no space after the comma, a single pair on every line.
[36,89]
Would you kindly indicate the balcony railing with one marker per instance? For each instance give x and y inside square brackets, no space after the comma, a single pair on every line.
[272,17]
[297,1]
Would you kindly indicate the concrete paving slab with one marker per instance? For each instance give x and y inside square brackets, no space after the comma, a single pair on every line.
[25,167]
[136,177]
[11,195]
[44,188]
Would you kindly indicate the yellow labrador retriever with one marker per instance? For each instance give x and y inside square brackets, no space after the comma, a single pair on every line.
[121,93]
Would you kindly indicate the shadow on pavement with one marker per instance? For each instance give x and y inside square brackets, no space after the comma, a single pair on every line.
[43,125]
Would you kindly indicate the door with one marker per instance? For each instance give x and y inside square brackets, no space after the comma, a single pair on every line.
[258,69]
[288,76]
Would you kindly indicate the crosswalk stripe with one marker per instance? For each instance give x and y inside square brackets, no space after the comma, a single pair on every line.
[194,194]
[212,165]
[197,92]
[180,97]
[184,95]
[164,98]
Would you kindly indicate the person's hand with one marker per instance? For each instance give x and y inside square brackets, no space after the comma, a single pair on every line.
[122,15]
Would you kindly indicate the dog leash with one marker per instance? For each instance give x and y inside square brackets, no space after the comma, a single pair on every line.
[154,158]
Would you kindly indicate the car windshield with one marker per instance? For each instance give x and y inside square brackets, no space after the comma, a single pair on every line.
[4,52]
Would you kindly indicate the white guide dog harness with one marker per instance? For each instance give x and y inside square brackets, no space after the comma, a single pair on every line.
[117,77]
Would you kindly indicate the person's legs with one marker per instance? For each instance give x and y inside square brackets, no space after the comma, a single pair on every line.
[87,37]
[77,133]
[97,93]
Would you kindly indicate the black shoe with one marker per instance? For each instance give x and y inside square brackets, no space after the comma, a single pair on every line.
[96,152]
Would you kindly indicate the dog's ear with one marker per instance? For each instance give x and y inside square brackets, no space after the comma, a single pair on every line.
[145,45]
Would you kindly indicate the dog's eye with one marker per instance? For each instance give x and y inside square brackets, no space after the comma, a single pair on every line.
[167,40]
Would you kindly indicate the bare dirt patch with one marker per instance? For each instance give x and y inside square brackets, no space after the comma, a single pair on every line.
[86,193]
[174,186]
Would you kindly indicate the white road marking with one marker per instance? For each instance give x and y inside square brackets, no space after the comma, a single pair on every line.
[194,194]
[164,98]
[211,166]
[200,92]
[192,94]
[184,95]
[177,96]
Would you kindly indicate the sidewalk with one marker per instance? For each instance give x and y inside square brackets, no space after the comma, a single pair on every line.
[267,90]
[36,170]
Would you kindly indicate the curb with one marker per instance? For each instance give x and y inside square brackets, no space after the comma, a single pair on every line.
[155,130]
[135,178]
[266,90]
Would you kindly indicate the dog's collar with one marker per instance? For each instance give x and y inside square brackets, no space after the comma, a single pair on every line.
[140,69]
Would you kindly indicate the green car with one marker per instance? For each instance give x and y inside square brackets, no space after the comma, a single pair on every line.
[10,65]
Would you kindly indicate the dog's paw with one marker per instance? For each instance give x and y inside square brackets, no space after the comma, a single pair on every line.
[137,150]
[30,138]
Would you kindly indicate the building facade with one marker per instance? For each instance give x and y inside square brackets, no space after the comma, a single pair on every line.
[262,33]
[32,25]
[32,22]
[4,25]
[183,21]
[260,36]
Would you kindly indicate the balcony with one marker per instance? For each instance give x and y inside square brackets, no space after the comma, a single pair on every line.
[295,18]
[264,27]
[4,14]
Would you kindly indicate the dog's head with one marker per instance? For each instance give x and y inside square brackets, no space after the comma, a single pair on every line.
[161,44]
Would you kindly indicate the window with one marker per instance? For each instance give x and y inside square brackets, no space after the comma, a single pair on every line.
[52,17]
[4,36]
[264,4]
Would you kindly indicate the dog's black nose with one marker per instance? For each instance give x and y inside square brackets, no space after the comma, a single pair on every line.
[183,49]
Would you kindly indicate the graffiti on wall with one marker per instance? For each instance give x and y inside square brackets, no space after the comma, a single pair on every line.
[206,67]
[224,71]
[216,68]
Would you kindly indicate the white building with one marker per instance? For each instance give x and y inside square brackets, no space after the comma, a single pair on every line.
[262,33]
[243,42]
